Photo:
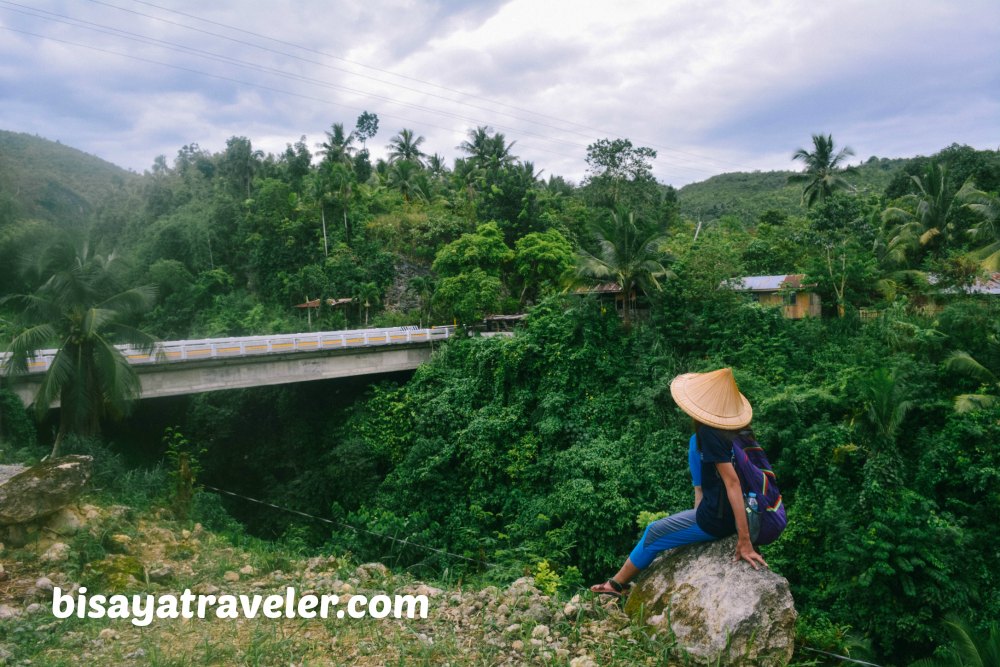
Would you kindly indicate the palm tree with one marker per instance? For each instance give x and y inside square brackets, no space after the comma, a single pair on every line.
[968,649]
[407,177]
[79,310]
[404,146]
[488,150]
[630,257]
[367,295]
[962,363]
[424,287]
[823,174]
[338,148]
[437,167]
[986,232]
[926,216]
[885,406]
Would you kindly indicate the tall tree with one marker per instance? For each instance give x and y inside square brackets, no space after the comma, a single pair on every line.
[470,267]
[366,127]
[922,218]
[80,310]
[542,259]
[620,175]
[405,146]
[619,160]
[986,234]
[488,151]
[239,163]
[823,174]
[407,177]
[629,256]
[338,147]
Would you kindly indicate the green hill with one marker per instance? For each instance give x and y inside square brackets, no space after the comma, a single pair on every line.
[748,195]
[45,180]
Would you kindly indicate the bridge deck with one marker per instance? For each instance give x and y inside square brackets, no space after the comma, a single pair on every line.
[172,352]
[213,364]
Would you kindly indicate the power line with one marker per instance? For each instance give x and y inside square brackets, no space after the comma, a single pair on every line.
[125,34]
[58,18]
[239,81]
[404,542]
[402,76]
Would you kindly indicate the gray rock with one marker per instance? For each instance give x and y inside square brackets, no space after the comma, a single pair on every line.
[718,610]
[6,472]
[429,591]
[64,522]
[43,489]
[56,553]
[368,571]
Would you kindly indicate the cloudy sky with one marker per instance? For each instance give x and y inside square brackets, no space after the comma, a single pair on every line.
[712,86]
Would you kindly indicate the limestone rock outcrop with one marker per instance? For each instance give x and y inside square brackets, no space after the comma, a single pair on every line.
[718,611]
[43,489]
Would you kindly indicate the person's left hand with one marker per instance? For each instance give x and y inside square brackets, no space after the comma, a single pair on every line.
[745,551]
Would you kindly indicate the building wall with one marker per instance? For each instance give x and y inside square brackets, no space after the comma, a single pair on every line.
[795,305]
[806,304]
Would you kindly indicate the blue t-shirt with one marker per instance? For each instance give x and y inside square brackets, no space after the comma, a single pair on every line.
[714,514]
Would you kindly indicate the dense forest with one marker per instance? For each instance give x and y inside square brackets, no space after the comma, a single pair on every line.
[553,445]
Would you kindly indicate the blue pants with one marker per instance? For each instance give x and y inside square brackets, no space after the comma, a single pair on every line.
[675,530]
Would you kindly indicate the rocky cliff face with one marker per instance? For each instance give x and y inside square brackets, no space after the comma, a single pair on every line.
[718,611]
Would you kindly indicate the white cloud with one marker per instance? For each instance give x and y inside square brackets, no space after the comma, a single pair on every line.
[713,86]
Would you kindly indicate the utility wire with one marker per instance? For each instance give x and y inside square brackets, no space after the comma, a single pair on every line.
[401,76]
[67,20]
[405,542]
[680,153]
[242,82]
[842,657]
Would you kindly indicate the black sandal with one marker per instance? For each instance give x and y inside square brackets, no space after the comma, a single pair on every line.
[618,589]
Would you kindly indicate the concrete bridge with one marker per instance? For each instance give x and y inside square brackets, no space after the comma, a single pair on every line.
[195,366]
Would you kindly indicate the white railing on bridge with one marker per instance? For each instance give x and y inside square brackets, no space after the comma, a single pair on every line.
[248,346]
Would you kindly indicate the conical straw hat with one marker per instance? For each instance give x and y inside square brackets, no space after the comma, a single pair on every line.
[712,399]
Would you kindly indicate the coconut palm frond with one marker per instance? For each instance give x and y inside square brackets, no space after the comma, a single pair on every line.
[80,310]
[974,402]
[961,362]
[25,345]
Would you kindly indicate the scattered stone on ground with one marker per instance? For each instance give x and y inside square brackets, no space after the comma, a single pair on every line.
[510,625]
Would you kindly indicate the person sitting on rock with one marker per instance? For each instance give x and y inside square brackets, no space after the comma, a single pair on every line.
[719,412]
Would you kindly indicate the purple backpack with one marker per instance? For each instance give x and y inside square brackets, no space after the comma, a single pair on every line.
[754,471]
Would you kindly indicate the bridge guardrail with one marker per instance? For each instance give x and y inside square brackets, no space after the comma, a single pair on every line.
[246,346]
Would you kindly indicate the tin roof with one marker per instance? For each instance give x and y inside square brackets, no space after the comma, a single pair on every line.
[600,288]
[505,318]
[330,302]
[769,283]
[989,286]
